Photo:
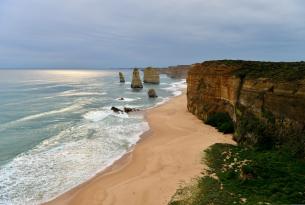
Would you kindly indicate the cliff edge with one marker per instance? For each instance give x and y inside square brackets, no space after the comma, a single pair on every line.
[266,100]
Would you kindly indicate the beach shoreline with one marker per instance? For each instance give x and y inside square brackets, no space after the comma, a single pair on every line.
[166,155]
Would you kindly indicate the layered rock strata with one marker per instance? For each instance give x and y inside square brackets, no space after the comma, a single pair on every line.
[136,79]
[263,98]
[151,75]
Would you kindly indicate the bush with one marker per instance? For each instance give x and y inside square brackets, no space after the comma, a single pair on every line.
[247,176]
[222,121]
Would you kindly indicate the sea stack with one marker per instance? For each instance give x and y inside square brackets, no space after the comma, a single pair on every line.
[151,75]
[122,79]
[152,93]
[136,79]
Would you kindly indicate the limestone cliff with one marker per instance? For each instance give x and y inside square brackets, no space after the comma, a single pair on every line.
[265,100]
[179,71]
[151,75]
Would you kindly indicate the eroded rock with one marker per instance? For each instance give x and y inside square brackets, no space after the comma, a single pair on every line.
[151,75]
[136,79]
[116,110]
[122,79]
[152,93]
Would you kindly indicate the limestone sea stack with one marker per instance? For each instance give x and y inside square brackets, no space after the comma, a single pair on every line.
[152,93]
[151,75]
[122,79]
[136,79]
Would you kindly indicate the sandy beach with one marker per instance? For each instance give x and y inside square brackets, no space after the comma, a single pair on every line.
[169,154]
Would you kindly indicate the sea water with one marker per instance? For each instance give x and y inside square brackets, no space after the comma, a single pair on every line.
[57,129]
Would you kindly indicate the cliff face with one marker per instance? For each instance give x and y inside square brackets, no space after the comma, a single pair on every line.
[151,75]
[266,101]
[179,71]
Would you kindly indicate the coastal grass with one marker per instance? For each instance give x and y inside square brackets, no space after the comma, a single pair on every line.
[238,175]
[277,71]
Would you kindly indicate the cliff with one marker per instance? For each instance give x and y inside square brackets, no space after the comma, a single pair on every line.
[179,71]
[265,100]
[151,75]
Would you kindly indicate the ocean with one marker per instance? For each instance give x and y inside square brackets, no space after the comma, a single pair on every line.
[57,129]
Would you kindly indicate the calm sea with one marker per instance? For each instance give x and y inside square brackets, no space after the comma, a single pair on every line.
[57,129]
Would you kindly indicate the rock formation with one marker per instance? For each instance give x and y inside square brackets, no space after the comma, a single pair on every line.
[136,79]
[116,110]
[122,79]
[179,71]
[265,100]
[152,93]
[151,75]
[128,109]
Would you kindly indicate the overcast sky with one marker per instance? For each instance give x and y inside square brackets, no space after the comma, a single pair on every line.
[127,33]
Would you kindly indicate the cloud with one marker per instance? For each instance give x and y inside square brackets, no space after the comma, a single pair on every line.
[125,33]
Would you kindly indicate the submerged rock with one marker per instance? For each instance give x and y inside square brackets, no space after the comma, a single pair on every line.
[117,110]
[128,109]
[152,93]
[122,79]
[151,75]
[136,79]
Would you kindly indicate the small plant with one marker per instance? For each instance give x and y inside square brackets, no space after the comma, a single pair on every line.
[238,175]
[222,121]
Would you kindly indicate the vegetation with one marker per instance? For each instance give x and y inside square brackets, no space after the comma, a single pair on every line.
[237,175]
[277,71]
[222,121]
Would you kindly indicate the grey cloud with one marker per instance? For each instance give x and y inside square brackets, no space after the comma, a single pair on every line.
[99,33]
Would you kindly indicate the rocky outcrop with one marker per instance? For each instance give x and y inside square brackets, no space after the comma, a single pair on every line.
[116,110]
[122,79]
[151,75]
[265,100]
[126,109]
[152,93]
[136,79]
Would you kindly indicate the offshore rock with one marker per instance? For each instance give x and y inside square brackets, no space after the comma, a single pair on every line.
[152,93]
[116,110]
[128,109]
[136,79]
[151,75]
[122,79]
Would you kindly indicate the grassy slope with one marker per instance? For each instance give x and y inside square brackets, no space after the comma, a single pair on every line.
[237,175]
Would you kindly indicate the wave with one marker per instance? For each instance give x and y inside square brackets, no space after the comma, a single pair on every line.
[127,99]
[73,107]
[66,160]
[76,93]
[96,116]
[176,87]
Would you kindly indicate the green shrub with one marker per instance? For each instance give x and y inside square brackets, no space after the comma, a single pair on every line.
[247,176]
[222,121]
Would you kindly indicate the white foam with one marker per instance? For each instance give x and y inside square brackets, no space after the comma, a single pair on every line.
[66,160]
[128,99]
[75,106]
[96,116]
[177,87]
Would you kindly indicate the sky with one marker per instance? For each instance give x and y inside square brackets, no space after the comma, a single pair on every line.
[129,33]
